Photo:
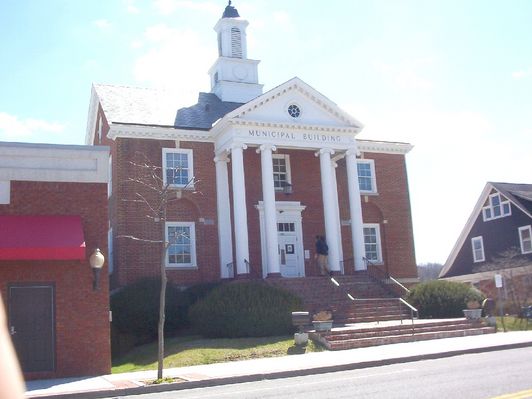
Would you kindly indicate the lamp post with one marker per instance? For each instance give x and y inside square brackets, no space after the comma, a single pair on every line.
[96,261]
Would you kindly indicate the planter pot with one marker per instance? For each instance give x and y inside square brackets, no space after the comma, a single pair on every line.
[322,325]
[472,314]
[301,338]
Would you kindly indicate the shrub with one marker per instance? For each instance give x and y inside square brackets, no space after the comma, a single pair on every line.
[244,309]
[136,308]
[440,298]
[190,296]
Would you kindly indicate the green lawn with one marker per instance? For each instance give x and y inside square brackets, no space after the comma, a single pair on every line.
[193,350]
[512,323]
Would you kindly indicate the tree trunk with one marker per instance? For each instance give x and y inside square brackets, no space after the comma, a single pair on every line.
[162,306]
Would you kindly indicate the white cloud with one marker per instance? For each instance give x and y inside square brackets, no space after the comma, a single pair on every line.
[174,59]
[408,73]
[167,7]
[102,24]
[13,128]
[131,7]
[522,73]
[282,20]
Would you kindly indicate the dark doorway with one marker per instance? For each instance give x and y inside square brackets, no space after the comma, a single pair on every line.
[31,324]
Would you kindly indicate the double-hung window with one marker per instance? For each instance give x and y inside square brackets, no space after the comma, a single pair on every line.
[372,242]
[366,176]
[496,208]
[181,238]
[477,245]
[178,167]
[525,238]
[281,171]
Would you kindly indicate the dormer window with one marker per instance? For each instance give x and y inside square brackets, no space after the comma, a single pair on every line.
[236,43]
[496,208]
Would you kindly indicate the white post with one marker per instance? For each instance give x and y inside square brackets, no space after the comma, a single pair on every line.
[329,209]
[225,241]
[355,208]
[239,209]
[339,227]
[270,217]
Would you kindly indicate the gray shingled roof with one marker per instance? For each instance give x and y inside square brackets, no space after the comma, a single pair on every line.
[203,114]
[520,194]
[153,107]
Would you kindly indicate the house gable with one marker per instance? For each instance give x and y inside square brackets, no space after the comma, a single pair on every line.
[498,233]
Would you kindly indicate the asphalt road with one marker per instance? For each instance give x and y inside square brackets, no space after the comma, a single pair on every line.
[476,376]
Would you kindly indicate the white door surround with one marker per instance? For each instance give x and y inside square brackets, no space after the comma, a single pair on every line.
[291,264]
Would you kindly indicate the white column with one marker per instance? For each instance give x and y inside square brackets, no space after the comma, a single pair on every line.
[329,209]
[270,216]
[239,208]
[355,208]
[335,192]
[225,241]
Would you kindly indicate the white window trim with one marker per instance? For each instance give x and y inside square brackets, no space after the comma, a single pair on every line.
[377,228]
[193,263]
[110,180]
[286,158]
[521,241]
[373,176]
[490,207]
[190,166]
[481,240]
[5,192]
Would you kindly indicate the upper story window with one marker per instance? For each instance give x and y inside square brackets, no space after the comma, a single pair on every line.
[366,176]
[100,129]
[372,242]
[525,238]
[181,238]
[110,250]
[110,181]
[281,171]
[178,167]
[496,208]
[236,43]
[477,245]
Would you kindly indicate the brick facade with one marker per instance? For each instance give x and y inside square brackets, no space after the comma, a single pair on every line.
[82,342]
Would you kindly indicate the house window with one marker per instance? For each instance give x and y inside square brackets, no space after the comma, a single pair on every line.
[372,243]
[525,238]
[366,176]
[286,227]
[496,208]
[281,171]
[178,167]
[181,238]
[477,244]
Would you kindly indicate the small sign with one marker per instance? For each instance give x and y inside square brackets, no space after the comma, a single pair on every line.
[289,249]
[498,281]
[307,254]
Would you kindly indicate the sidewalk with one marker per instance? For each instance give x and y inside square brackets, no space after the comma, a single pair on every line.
[286,366]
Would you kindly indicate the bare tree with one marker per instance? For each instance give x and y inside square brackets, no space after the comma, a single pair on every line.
[159,195]
[428,271]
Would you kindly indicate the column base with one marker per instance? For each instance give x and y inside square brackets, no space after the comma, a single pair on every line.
[274,275]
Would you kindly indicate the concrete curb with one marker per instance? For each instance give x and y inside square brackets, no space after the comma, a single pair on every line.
[177,386]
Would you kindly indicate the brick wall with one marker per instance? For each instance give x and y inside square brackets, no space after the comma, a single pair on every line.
[81,314]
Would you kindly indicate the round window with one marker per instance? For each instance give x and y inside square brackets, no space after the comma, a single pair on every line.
[294,111]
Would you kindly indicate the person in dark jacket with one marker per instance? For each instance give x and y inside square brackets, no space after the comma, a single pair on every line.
[322,251]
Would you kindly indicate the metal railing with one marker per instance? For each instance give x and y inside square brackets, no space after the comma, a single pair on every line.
[384,278]
[231,268]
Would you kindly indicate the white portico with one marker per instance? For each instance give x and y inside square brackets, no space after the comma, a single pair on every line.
[291,116]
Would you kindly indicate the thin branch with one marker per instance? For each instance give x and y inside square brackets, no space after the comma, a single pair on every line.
[141,239]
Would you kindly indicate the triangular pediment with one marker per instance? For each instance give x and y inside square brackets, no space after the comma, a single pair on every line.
[308,106]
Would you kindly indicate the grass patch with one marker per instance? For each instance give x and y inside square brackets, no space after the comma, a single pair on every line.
[513,323]
[193,350]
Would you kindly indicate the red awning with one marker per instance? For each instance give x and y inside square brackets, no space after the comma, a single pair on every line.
[41,238]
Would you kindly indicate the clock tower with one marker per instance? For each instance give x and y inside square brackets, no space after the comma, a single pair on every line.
[234,77]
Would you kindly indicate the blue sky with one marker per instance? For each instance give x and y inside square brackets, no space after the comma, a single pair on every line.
[452,77]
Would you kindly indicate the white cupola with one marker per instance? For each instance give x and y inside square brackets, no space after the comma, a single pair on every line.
[234,77]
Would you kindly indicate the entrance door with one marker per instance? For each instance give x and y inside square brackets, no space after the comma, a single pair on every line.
[31,324]
[288,250]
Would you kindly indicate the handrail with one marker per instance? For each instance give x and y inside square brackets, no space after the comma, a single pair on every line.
[413,309]
[399,284]
[380,278]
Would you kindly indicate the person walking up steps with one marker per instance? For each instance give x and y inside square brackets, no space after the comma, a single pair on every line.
[322,251]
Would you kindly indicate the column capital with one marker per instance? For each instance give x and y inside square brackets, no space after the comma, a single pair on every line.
[266,147]
[322,151]
[237,146]
[353,151]
[222,157]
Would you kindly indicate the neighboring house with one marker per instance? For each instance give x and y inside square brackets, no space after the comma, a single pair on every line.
[53,214]
[271,171]
[497,239]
